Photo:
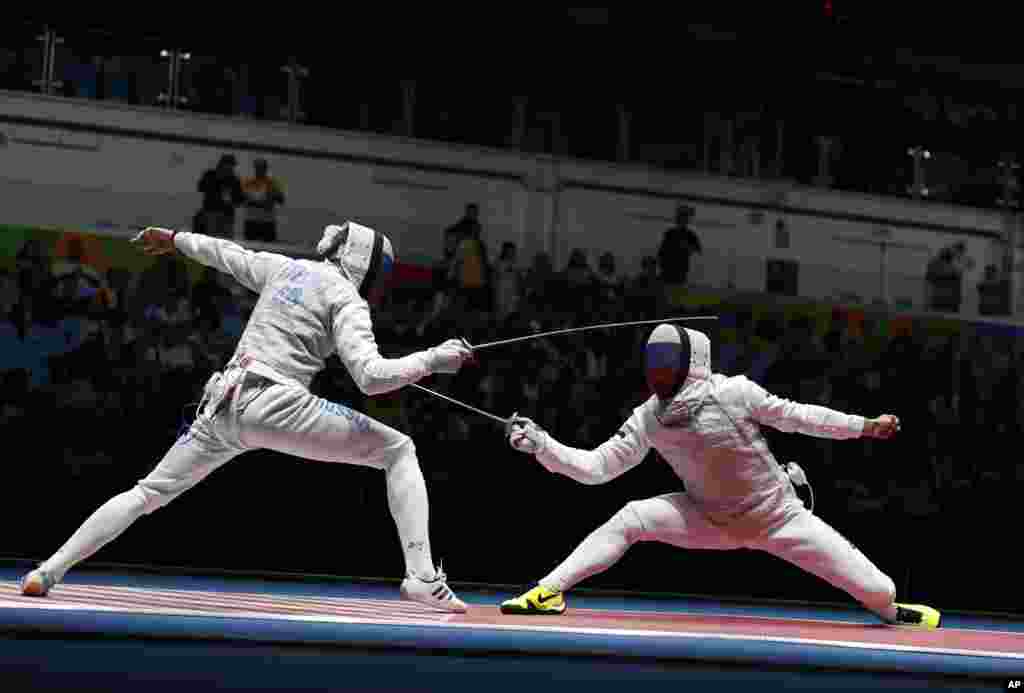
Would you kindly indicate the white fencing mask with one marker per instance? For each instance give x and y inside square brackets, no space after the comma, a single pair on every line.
[363,255]
[675,357]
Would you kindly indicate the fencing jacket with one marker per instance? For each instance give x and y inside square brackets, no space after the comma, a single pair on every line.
[306,312]
[710,434]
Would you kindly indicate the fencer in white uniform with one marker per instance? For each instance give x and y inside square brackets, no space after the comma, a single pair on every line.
[307,310]
[707,426]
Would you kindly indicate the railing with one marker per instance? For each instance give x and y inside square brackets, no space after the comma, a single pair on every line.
[720,270]
[966,160]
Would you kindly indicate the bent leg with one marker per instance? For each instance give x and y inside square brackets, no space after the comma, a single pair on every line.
[813,545]
[194,456]
[671,519]
[295,422]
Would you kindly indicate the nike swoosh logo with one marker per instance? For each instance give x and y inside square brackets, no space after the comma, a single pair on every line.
[543,600]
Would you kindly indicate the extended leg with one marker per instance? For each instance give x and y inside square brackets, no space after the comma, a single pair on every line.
[191,459]
[410,510]
[602,549]
[813,545]
[672,519]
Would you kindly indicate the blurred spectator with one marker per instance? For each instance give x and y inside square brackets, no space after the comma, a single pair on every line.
[645,295]
[677,245]
[539,284]
[993,293]
[9,293]
[801,360]
[733,356]
[471,269]
[79,282]
[15,384]
[899,390]
[177,347]
[578,274]
[466,227]
[581,284]
[508,287]
[945,278]
[208,297]
[263,194]
[766,347]
[12,351]
[38,336]
[611,285]
[34,272]
[120,282]
[167,275]
[943,283]
[222,193]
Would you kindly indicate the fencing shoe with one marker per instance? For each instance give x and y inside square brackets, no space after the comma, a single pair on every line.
[916,615]
[539,600]
[435,593]
[37,583]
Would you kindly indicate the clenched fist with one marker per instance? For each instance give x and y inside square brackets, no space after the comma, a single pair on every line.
[449,357]
[526,436]
[885,426]
[156,241]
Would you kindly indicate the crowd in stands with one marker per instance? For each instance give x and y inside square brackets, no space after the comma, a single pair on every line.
[101,352]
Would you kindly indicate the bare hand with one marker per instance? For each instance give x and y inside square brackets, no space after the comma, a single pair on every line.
[155,241]
[885,426]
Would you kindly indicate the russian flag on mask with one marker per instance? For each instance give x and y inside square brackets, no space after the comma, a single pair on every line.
[664,356]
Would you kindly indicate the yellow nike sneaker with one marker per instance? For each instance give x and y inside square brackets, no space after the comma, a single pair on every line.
[917,615]
[539,600]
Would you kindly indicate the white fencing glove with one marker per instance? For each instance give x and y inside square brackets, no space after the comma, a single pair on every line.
[526,436]
[449,356]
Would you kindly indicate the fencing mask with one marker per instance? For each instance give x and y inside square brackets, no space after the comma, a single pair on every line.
[363,255]
[675,356]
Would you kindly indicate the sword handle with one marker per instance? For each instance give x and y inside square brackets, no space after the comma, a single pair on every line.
[473,361]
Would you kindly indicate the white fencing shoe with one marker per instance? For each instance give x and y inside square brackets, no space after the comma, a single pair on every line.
[435,593]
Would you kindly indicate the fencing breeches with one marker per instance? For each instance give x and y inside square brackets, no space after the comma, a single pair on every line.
[260,414]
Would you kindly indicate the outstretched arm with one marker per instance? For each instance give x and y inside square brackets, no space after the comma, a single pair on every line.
[812,419]
[613,458]
[252,270]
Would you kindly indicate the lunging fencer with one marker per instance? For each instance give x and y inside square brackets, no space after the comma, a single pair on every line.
[707,427]
[307,311]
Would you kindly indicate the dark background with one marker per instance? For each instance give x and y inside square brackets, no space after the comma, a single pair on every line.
[934,509]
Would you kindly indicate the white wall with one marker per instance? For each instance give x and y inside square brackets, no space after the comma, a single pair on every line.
[86,164]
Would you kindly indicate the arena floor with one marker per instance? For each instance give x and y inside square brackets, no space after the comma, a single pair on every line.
[118,629]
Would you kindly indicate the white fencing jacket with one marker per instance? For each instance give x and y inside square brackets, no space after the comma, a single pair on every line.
[306,312]
[711,436]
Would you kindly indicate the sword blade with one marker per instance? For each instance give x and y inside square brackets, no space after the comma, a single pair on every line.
[489,415]
[605,326]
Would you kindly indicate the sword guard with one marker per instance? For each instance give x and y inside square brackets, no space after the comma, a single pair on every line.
[510,422]
[472,361]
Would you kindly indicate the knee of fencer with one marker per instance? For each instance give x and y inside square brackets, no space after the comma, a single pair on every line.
[151,499]
[627,523]
[404,450]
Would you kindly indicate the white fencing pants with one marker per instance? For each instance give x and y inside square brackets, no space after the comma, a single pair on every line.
[260,414]
[803,540]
